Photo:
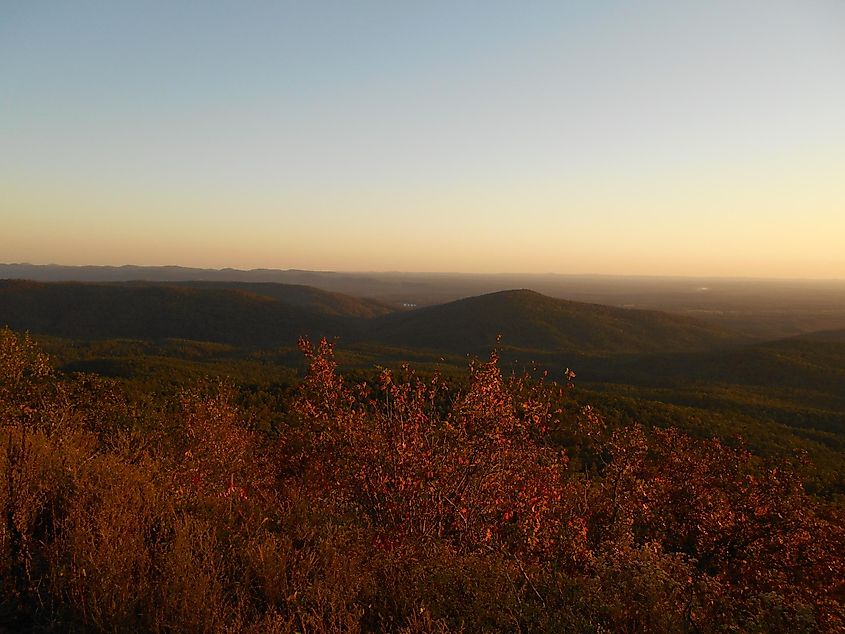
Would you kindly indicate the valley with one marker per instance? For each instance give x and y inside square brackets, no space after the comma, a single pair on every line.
[633,365]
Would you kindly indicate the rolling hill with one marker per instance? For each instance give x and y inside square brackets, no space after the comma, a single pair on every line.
[527,320]
[274,314]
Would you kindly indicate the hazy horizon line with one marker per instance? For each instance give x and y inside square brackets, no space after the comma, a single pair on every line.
[438,273]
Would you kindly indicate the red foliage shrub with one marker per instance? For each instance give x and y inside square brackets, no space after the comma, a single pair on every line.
[420,462]
[750,533]
[736,538]
[401,505]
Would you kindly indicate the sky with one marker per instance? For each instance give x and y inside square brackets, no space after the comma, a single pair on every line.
[647,138]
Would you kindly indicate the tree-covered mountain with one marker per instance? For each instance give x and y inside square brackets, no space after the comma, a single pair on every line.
[761,309]
[103,311]
[275,314]
[634,365]
[527,320]
[308,297]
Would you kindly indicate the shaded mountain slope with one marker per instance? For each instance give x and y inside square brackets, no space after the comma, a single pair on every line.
[530,321]
[308,297]
[199,311]
[831,336]
[785,366]
[101,311]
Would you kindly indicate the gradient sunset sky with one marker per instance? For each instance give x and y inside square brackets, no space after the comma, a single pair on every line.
[666,138]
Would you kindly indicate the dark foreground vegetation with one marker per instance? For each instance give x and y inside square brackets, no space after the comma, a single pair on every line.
[392,504]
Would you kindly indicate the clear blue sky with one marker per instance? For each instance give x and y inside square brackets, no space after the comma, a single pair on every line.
[691,138]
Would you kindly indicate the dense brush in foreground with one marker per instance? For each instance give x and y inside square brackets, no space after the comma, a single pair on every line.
[400,505]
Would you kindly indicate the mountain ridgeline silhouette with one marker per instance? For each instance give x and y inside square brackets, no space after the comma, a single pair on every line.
[262,315]
[527,320]
[761,309]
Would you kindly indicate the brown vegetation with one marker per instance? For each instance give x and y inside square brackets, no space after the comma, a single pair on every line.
[400,505]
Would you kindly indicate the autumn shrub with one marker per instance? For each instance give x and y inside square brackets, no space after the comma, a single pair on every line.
[399,504]
[748,531]
[476,474]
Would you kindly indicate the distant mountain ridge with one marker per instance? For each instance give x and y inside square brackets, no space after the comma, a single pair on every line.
[262,315]
[147,311]
[309,297]
[762,309]
[131,272]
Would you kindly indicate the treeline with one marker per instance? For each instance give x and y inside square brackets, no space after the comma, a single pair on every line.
[394,504]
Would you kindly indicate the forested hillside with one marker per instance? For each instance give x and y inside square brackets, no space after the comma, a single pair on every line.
[634,366]
[394,504]
[265,315]
[527,320]
[144,311]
